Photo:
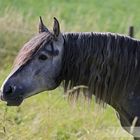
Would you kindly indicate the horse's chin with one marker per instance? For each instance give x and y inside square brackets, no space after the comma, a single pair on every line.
[16,102]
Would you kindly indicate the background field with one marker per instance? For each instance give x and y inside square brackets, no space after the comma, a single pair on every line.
[48,116]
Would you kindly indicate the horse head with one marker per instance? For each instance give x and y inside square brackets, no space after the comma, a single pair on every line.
[37,66]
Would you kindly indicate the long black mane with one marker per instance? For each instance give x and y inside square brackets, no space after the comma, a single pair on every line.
[108,64]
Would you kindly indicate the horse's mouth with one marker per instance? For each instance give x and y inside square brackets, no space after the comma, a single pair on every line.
[15,102]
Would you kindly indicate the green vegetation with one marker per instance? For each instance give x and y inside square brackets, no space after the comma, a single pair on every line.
[50,116]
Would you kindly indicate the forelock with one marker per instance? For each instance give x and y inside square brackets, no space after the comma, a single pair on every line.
[31,47]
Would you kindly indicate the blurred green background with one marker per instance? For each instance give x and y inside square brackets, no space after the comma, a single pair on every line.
[49,116]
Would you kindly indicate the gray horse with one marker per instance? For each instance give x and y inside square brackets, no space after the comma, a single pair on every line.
[107,64]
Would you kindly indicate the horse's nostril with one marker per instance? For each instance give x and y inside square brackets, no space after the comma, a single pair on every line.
[9,90]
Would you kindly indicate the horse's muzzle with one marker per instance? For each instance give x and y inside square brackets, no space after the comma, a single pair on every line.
[16,101]
[12,96]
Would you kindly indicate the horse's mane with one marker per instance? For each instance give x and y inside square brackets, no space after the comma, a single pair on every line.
[108,64]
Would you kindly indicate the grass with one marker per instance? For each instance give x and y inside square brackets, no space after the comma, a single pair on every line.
[49,116]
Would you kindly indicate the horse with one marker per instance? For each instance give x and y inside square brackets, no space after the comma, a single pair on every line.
[108,64]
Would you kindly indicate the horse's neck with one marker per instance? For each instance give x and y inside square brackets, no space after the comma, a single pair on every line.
[99,61]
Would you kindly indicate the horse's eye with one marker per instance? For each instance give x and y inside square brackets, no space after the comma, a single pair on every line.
[42,57]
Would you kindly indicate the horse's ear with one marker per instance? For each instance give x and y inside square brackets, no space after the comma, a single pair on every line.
[56,28]
[42,27]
